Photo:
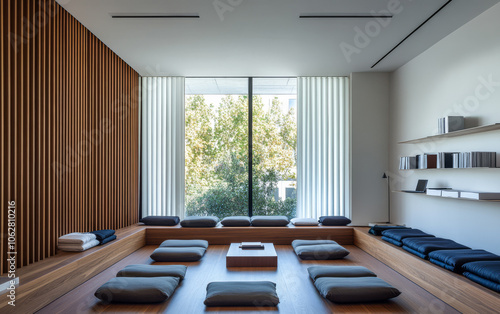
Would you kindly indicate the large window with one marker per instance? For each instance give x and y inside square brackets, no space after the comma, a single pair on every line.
[240,133]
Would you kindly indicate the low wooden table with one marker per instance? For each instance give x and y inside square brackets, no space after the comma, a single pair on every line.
[237,257]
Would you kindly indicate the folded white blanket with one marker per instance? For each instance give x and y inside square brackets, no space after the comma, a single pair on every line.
[76,238]
[78,247]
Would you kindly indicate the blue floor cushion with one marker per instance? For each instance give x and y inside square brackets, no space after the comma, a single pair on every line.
[178,254]
[378,229]
[392,241]
[236,221]
[426,245]
[486,273]
[400,234]
[200,221]
[185,243]
[137,289]
[316,272]
[270,221]
[142,270]
[242,293]
[355,289]
[454,259]
[319,249]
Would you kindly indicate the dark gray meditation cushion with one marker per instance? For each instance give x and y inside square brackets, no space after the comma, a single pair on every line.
[321,251]
[297,243]
[355,290]
[339,271]
[269,221]
[236,221]
[200,221]
[334,220]
[137,289]
[242,293]
[185,243]
[160,220]
[178,254]
[153,271]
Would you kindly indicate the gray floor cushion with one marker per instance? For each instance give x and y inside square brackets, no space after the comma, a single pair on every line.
[305,221]
[178,254]
[200,221]
[297,243]
[242,293]
[236,221]
[269,221]
[319,249]
[137,289]
[355,290]
[153,271]
[339,271]
[185,243]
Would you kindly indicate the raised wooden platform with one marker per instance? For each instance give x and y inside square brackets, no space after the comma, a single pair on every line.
[228,235]
[47,280]
[456,290]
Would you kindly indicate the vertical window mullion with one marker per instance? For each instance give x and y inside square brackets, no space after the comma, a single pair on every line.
[250,153]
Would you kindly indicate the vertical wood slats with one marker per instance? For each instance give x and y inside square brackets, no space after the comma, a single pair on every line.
[68,130]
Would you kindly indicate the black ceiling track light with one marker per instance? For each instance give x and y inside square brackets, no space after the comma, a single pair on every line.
[416,29]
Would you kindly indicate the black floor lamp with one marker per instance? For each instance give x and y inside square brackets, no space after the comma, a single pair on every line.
[385,176]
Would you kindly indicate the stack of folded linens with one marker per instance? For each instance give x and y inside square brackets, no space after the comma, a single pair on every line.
[104,236]
[77,241]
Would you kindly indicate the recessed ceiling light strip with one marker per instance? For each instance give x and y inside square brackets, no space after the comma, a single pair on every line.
[345,16]
[416,29]
[157,16]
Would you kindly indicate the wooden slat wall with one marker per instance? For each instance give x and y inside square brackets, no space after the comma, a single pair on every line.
[68,130]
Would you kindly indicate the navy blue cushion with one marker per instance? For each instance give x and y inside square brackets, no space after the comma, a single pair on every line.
[103,234]
[484,282]
[454,259]
[377,230]
[392,241]
[400,234]
[415,252]
[108,239]
[489,270]
[427,245]
[334,220]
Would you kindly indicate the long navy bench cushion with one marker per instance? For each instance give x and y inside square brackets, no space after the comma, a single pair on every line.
[269,221]
[200,221]
[400,234]
[160,220]
[489,270]
[392,241]
[454,259]
[377,230]
[334,220]
[426,245]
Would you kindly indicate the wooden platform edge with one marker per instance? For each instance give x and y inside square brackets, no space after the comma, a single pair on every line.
[459,292]
[228,235]
[35,294]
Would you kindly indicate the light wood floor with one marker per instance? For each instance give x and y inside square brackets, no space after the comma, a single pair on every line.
[295,289]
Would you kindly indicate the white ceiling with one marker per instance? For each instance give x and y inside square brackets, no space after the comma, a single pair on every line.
[266,37]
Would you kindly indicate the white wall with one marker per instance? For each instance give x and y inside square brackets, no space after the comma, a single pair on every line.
[369,146]
[449,79]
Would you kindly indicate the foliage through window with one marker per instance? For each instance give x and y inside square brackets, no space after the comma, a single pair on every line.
[217,147]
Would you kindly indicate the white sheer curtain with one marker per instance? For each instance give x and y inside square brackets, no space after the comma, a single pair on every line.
[323,117]
[162,146]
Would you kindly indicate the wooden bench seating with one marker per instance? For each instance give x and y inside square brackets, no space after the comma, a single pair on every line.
[45,281]
[459,292]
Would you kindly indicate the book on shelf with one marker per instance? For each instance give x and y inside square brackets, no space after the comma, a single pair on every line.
[451,124]
[480,195]
[443,160]
[450,193]
[427,161]
[251,245]
[435,191]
